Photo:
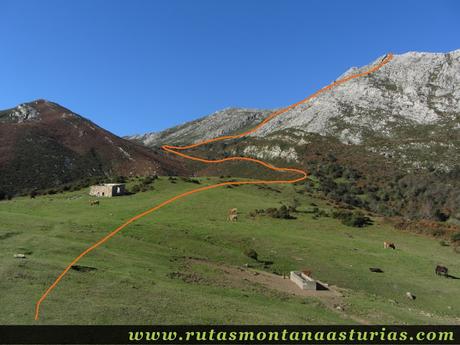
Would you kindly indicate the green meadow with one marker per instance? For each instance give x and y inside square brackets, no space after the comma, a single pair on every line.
[169,267]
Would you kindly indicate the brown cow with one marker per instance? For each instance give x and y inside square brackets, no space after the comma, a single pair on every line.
[389,245]
[233,215]
[94,202]
[307,272]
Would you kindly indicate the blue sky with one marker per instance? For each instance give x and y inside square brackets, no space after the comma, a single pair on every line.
[135,66]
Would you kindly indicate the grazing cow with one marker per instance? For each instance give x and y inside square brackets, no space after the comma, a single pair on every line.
[94,202]
[307,272]
[389,245]
[442,271]
[233,217]
[233,214]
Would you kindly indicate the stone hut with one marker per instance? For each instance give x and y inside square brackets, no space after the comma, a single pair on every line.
[107,190]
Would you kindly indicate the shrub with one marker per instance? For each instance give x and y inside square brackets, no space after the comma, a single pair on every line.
[358,219]
[190,180]
[120,179]
[135,189]
[355,219]
[77,187]
[351,200]
[283,212]
[319,213]
[438,232]
[251,253]
[456,237]
[149,179]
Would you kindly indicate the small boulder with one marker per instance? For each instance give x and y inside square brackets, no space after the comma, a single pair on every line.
[19,256]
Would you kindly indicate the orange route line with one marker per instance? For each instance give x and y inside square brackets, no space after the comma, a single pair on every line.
[175,149]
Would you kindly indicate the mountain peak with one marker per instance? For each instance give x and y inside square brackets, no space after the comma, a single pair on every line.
[43,145]
[22,113]
[31,111]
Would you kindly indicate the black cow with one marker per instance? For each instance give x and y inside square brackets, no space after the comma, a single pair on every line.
[441,271]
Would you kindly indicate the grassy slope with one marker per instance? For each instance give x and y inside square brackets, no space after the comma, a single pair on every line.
[132,283]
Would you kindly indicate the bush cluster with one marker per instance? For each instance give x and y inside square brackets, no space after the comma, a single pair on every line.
[284,212]
[456,237]
[190,180]
[144,184]
[422,195]
[5,196]
[317,212]
[355,219]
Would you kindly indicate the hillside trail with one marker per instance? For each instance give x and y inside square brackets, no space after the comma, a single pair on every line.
[176,151]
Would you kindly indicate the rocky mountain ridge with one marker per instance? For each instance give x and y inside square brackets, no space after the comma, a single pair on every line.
[409,109]
[229,120]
